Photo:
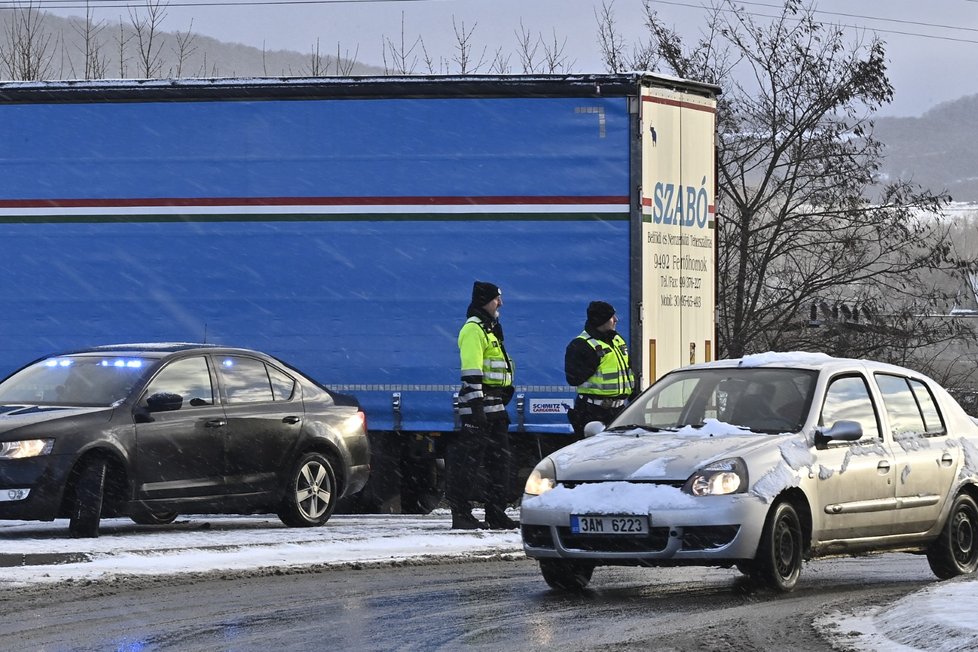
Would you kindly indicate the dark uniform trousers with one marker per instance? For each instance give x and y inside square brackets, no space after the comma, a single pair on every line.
[477,461]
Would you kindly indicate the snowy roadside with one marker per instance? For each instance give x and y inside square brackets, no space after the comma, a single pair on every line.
[33,552]
[939,618]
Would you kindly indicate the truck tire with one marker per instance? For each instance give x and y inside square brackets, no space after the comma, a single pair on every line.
[86,509]
[147,516]
[421,482]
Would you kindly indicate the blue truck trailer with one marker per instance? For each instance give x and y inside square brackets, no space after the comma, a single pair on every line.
[339,223]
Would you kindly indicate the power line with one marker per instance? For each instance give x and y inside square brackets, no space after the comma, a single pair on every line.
[132,4]
[834,13]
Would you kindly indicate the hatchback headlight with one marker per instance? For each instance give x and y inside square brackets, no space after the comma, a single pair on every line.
[16,450]
[543,478]
[719,478]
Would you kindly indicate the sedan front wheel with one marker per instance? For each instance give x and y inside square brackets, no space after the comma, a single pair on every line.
[310,495]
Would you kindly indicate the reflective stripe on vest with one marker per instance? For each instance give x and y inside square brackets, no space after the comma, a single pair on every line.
[497,369]
[613,376]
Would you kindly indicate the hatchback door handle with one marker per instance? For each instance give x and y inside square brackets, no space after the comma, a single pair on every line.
[291,420]
[947,459]
[215,423]
[883,466]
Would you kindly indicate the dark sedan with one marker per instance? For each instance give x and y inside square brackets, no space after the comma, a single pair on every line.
[152,430]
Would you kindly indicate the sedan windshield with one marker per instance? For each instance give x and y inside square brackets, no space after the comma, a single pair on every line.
[761,399]
[74,380]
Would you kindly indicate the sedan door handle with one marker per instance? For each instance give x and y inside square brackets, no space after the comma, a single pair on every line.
[215,423]
[947,459]
[883,466]
[292,420]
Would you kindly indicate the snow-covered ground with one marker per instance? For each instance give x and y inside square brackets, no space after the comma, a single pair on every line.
[940,617]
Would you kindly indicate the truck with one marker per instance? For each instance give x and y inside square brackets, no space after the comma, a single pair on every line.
[339,224]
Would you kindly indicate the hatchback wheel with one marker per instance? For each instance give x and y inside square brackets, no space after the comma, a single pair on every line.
[779,554]
[566,575]
[86,511]
[955,552]
[310,495]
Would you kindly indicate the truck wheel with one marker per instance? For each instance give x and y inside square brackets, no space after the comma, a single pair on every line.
[86,510]
[146,516]
[955,552]
[566,575]
[779,555]
[310,495]
[420,492]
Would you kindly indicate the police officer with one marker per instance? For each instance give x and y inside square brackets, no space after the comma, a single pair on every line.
[477,459]
[596,362]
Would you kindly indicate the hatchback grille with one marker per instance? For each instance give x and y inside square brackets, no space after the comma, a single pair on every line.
[654,541]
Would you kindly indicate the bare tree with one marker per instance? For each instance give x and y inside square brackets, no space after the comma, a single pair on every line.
[89,32]
[610,40]
[463,49]
[554,59]
[526,47]
[26,49]
[185,46]
[345,65]
[500,63]
[797,164]
[403,60]
[122,43]
[148,38]
[318,64]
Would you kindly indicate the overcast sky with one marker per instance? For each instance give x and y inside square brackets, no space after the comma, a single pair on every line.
[932,46]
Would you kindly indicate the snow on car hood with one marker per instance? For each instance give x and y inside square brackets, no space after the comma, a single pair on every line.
[18,416]
[638,454]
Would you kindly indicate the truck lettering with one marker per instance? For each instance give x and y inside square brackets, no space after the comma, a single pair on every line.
[675,204]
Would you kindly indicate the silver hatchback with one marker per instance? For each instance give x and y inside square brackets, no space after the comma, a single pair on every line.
[761,463]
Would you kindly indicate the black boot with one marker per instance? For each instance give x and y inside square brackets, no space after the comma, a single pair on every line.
[496,519]
[462,519]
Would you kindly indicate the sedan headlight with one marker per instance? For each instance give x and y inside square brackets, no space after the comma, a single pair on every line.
[542,479]
[16,450]
[719,478]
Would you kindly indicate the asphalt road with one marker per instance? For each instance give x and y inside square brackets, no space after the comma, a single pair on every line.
[498,604]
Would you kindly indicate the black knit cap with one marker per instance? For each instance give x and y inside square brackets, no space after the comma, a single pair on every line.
[483,293]
[599,312]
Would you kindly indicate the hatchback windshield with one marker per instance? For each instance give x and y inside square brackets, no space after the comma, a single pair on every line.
[761,399]
[74,380]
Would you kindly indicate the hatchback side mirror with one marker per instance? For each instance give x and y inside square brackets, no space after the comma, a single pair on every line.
[842,430]
[592,428]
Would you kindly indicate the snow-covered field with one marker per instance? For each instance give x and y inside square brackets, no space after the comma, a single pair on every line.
[939,618]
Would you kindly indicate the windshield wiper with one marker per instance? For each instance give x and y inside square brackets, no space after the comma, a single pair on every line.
[641,426]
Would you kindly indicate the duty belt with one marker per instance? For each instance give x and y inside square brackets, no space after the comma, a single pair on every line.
[603,402]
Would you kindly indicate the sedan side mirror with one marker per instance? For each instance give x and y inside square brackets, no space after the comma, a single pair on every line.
[164,402]
[843,430]
[592,428]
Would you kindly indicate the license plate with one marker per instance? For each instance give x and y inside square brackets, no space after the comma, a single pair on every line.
[580,524]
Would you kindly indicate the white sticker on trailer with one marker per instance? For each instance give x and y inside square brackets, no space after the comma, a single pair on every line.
[550,405]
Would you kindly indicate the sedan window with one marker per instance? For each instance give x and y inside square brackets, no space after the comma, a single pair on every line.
[245,380]
[188,378]
[283,385]
[847,398]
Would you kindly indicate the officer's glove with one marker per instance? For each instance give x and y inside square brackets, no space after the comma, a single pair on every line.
[478,418]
